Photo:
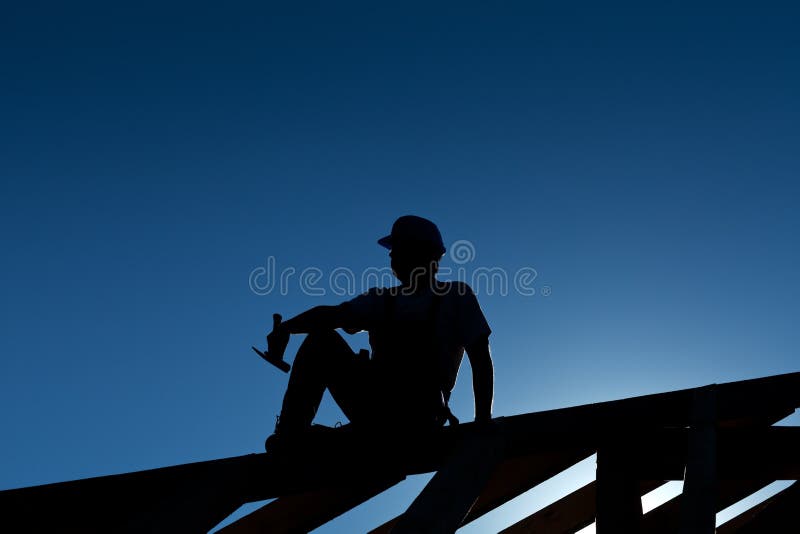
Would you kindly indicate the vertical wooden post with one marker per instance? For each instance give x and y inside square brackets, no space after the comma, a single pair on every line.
[619,502]
[449,495]
[699,508]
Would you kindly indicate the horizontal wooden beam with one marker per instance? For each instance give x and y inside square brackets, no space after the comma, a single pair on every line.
[742,454]
[736,401]
[200,494]
[192,497]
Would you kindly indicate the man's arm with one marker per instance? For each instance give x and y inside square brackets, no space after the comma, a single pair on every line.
[316,318]
[480,358]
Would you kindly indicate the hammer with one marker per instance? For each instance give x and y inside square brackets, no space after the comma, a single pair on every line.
[274,359]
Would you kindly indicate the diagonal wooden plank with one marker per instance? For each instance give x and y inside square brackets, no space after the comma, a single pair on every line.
[518,475]
[776,514]
[513,477]
[665,519]
[568,514]
[306,511]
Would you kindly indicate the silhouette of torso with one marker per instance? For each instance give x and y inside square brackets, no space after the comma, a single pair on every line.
[406,363]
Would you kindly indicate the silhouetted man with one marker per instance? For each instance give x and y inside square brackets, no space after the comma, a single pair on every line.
[418,332]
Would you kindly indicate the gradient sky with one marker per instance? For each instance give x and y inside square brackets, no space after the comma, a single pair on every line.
[643,158]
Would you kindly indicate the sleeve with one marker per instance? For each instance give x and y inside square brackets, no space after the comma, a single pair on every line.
[361,312]
[472,324]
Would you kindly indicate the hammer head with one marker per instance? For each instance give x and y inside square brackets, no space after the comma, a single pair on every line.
[280,364]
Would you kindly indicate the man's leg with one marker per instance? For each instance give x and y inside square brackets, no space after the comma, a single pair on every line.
[324,360]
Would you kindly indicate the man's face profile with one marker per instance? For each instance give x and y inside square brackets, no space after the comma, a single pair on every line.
[406,258]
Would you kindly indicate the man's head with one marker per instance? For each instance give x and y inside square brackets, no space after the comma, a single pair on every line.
[415,246]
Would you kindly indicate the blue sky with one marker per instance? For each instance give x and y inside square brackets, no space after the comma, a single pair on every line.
[641,158]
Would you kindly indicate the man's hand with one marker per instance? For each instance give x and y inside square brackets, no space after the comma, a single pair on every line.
[278,339]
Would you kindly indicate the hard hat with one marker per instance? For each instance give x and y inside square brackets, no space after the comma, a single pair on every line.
[414,230]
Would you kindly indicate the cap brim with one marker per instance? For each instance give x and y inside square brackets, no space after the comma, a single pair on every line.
[386,242]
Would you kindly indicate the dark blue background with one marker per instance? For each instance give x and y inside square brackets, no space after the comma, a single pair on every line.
[642,157]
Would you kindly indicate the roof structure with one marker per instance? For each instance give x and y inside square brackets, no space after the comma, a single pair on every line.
[718,439]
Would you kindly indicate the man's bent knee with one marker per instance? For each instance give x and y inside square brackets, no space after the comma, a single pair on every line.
[324,351]
[324,342]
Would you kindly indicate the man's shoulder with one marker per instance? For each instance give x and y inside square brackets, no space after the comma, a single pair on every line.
[365,304]
[449,289]
[377,292]
[456,288]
